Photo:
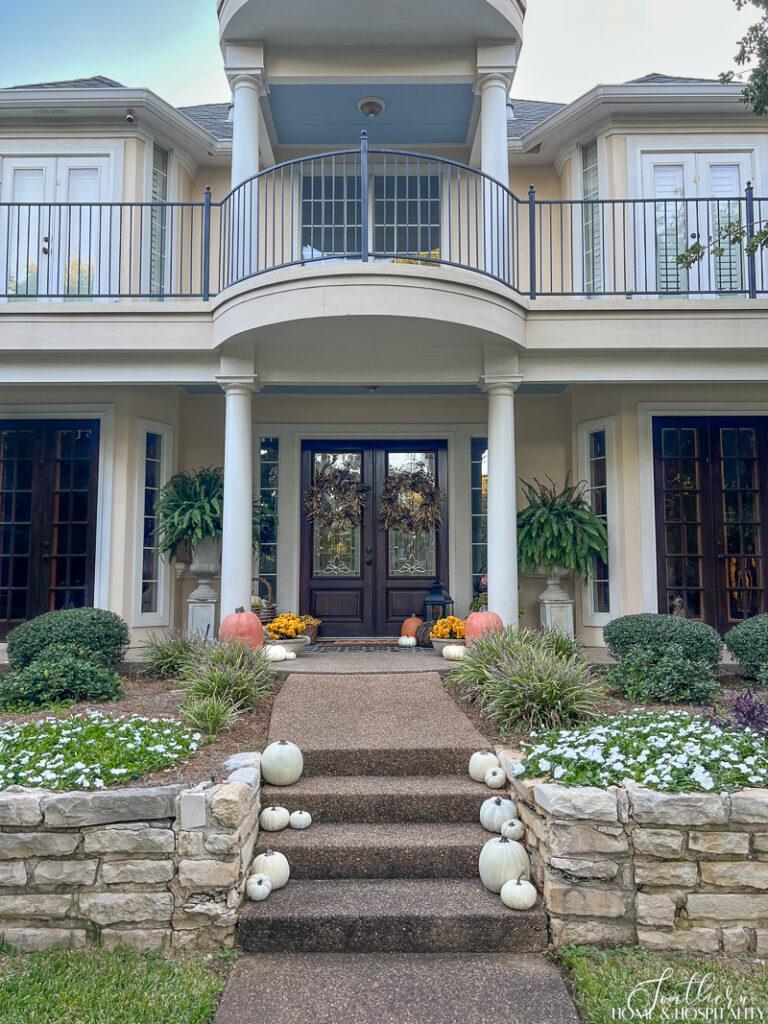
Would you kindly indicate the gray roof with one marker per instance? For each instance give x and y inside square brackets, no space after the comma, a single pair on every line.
[656,79]
[214,117]
[96,82]
[523,115]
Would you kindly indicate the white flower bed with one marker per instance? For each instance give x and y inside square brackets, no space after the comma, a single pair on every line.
[91,750]
[672,752]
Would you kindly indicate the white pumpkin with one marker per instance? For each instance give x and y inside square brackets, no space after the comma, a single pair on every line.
[513,829]
[275,866]
[500,860]
[272,819]
[495,811]
[454,652]
[258,887]
[275,652]
[290,656]
[518,894]
[406,641]
[496,778]
[282,763]
[481,763]
[301,819]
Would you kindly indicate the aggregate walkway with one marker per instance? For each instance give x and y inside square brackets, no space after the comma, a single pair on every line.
[384,919]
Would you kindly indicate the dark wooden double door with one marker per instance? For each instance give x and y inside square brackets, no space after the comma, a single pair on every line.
[364,581]
[711,481]
[48,493]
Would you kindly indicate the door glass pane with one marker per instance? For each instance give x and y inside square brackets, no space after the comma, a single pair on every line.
[17,446]
[331,212]
[411,554]
[24,245]
[335,551]
[741,513]
[670,213]
[681,503]
[724,214]
[406,215]
[70,525]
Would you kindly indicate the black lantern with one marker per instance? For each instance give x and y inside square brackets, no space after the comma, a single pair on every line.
[438,602]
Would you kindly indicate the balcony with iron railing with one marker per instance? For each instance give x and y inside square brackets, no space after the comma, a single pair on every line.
[382,206]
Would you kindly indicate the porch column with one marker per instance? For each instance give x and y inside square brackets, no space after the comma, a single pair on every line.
[494,152]
[246,90]
[237,538]
[502,502]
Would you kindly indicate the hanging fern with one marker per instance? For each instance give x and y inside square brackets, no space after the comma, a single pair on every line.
[558,529]
[189,510]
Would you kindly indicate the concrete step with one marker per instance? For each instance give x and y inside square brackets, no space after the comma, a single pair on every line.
[395,988]
[344,850]
[399,761]
[380,798]
[389,916]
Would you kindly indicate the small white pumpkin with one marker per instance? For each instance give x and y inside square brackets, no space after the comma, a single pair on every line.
[496,778]
[495,811]
[513,829]
[258,887]
[290,656]
[275,866]
[481,763]
[518,894]
[500,860]
[282,763]
[406,641]
[454,652]
[275,652]
[273,819]
[301,819]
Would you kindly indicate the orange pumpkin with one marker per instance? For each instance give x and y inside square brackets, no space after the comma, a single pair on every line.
[410,626]
[480,623]
[243,626]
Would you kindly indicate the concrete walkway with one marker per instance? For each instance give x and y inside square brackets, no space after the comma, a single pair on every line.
[384,919]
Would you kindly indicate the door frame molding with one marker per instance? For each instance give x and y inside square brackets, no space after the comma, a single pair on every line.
[646,411]
[105,414]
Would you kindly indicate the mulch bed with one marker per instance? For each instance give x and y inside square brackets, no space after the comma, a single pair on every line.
[159,698]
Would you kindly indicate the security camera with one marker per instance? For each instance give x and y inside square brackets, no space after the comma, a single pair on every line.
[130,117]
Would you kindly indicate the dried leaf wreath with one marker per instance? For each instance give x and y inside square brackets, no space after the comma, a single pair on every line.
[411,501]
[336,499]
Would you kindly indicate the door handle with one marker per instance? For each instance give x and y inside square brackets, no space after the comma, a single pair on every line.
[46,240]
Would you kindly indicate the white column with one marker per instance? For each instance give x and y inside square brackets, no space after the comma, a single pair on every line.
[237,538]
[246,91]
[494,152]
[502,503]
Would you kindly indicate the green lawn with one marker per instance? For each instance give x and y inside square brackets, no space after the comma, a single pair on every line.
[96,987]
[673,988]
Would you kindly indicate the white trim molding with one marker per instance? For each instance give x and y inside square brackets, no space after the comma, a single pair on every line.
[645,414]
[162,616]
[607,424]
[105,414]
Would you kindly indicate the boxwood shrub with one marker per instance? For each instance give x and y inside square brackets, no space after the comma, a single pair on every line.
[748,643]
[645,675]
[655,632]
[94,631]
[60,673]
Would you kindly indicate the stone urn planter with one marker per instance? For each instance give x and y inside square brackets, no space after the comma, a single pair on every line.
[440,645]
[204,567]
[555,604]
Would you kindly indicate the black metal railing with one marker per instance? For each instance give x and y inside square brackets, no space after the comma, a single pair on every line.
[373,205]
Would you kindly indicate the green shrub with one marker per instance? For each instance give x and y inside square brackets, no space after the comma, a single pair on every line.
[230,669]
[523,679]
[92,629]
[748,643]
[60,673]
[210,715]
[645,675]
[654,632]
[169,655]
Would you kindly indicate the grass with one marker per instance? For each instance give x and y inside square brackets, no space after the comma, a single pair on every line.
[603,981]
[99,987]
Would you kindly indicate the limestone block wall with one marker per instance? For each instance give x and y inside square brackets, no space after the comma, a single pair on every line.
[158,867]
[686,871]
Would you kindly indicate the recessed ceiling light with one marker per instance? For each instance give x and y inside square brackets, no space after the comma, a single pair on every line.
[371,106]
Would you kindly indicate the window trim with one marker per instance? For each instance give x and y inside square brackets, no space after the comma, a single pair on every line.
[590,617]
[161,617]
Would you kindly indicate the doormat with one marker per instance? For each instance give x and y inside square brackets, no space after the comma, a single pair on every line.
[354,646]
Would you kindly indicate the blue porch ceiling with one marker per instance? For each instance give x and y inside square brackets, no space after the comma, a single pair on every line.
[327,115]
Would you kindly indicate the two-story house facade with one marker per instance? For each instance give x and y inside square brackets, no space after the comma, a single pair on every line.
[348,267]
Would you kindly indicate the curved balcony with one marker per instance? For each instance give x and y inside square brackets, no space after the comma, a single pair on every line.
[382,207]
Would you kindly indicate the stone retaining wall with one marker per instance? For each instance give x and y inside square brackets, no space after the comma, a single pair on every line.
[151,868]
[684,871]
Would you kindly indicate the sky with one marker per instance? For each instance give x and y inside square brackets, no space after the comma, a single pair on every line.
[171,46]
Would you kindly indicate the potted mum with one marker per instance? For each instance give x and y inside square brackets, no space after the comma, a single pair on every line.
[448,630]
[289,631]
[558,534]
